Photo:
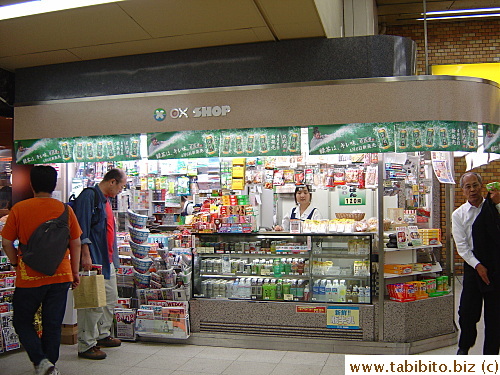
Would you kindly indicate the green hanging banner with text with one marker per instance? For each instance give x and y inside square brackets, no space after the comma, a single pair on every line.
[491,138]
[224,143]
[80,149]
[393,137]
[436,136]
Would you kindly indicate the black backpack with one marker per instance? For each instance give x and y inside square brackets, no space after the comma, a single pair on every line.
[95,218]
[47,245]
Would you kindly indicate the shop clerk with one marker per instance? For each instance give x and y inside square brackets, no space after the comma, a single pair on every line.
[303,210]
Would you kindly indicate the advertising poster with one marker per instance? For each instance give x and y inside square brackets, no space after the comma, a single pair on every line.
[351,138]
[412,136]
[491,138]
[224,143]
[80,149]
[442,164]
[409,136]
[342,317]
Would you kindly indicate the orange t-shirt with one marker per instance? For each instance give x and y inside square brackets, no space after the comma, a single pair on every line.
[23,219]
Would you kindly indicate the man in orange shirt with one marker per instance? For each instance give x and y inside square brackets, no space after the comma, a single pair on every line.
[34,288]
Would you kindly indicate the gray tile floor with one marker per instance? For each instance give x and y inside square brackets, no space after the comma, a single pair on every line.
[179,359]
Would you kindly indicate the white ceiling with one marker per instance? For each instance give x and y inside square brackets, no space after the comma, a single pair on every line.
[144,26]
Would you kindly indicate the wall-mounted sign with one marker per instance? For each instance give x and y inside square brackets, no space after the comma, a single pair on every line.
[224,143]
[311,309]
[185,112]
[79,149]
[351,196]
[342,317]
[393,137]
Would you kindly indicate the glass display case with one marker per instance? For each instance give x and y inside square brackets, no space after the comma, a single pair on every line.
[327,268]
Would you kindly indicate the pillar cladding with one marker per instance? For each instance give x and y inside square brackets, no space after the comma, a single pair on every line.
[299,60]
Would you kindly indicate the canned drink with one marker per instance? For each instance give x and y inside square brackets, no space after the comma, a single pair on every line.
[429,139]
[110,148]
[65,150]
[99,151]
[226,145]
[263,143]
[239,145]
[417,142]
[79,150]
[403,138]
[294,141]
[250,142]
[471,141]
[135,148]
[384,139]
[209,141]
[443,136]
[90,150]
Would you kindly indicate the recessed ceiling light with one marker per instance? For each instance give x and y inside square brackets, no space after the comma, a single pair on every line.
[45,6]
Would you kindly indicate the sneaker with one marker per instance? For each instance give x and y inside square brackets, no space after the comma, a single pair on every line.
[44,367]
[109,342]
[92,353]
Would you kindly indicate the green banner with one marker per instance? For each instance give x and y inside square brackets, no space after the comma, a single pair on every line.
[491,138]
[412,136]
[80,149]
[224,143]
[351,138]
[185,144]
[393,136]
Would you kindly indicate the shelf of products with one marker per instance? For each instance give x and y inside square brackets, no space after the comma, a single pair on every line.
[331,268]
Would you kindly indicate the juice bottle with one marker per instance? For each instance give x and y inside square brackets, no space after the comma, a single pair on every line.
[342,291]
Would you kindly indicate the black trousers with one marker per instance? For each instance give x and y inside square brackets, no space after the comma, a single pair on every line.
[469,312]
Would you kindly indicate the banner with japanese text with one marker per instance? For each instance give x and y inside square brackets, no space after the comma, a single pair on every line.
[79,149]
[224,143]
[393,137]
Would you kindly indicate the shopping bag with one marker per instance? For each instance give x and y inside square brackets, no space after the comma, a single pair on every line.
[90,293]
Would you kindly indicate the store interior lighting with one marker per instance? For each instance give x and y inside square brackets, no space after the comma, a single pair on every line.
[460,14]
[30,8]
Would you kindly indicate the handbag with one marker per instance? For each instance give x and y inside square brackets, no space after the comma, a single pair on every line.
[91,292]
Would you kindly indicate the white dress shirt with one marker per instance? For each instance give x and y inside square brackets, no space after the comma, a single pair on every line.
[462,219]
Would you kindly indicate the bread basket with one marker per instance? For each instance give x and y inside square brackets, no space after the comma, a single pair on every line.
[355,216]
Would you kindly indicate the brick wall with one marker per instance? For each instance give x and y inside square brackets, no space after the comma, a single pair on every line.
[463,42]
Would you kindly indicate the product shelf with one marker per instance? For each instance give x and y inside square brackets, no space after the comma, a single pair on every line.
[232,276]
[252,255]
[387,249]
[435,268]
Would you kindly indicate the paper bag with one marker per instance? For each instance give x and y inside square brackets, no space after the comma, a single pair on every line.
[90,293]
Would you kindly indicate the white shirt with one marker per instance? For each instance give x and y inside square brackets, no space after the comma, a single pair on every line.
[286,220]
[462,219]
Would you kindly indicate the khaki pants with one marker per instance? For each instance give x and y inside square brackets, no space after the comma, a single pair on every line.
[95,324]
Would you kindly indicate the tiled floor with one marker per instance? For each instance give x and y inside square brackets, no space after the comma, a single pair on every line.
[159,358]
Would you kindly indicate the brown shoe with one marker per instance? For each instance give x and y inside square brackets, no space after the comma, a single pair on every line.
[109,342]
[93,353]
